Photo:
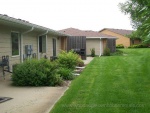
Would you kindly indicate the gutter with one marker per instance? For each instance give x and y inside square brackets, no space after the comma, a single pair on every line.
[28,30]
[26,23]
[108,37]
[45,33]
[21,42]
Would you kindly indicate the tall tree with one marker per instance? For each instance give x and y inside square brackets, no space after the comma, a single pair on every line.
[139,11]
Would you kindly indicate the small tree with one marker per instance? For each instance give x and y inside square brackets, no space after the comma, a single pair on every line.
[92,52]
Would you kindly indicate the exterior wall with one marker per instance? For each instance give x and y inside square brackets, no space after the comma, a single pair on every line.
[50,45]
[5,45]
[93,43]
[32,39]
[28,39]
[121,39]
[104,41]
[58,46]
[63,43]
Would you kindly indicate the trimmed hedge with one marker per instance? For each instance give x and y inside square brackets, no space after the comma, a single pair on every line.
[138,46]
[120,46]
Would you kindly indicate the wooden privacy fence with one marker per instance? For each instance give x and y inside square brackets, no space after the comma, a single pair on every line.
[111,44]
[78,44]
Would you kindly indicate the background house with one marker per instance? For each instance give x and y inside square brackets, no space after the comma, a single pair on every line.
[122,36]
[94,39]
[22,40]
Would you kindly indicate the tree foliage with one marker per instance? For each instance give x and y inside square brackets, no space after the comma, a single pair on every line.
[139,11]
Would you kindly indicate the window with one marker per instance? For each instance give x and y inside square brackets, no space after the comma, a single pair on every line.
[42,44]
[132,41]
[15,43]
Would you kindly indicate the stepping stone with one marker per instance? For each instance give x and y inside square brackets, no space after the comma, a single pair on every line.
[76,74]
[80,67]
[78,71]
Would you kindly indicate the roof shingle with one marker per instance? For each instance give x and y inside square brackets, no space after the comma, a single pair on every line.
[119,31]
[23,23]
[88,33]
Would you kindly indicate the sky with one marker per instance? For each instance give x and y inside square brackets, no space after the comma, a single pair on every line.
[61,14]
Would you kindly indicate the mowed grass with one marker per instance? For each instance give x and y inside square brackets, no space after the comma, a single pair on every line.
[114,84]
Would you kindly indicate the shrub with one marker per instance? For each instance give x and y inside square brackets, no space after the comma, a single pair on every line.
[106,51]
[138,46]
[68,60]
[117,53]
[80,62]
[120,46]
[66,74]
[92,52]
[36,73]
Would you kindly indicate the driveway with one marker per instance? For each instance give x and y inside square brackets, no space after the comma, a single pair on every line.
[28,99]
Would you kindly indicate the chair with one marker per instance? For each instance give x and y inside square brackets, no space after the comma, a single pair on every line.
[5,64]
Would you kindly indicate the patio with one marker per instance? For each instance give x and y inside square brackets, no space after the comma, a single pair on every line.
[28,99]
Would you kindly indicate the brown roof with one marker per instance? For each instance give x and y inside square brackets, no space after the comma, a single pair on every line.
[88,33]
[119,31]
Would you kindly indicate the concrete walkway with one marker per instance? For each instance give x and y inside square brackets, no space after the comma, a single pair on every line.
[88,60]
[29,99]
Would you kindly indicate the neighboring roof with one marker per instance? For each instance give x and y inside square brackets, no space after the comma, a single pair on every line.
[119,31]
[88,33]
[23,23]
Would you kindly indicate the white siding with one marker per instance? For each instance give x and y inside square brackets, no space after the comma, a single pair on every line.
[92,43]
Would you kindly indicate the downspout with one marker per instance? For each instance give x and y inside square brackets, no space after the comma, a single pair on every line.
[38,42]
[100,49]
[21,47]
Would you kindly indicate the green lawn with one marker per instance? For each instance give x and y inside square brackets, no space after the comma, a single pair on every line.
[114,84]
